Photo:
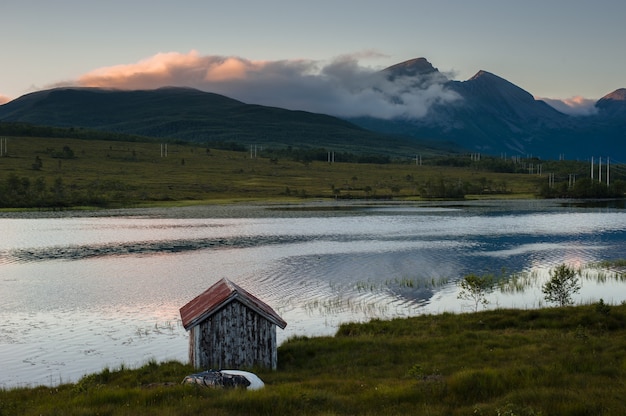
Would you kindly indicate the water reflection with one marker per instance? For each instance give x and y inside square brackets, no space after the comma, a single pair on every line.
[106,287]
[606,203]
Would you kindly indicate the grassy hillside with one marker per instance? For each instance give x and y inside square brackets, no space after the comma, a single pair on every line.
[196,116]
[57,172]
[559,361]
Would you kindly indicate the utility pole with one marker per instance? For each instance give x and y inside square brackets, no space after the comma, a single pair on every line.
[592,168]
[572,180]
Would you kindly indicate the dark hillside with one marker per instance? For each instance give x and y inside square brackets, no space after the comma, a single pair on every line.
[196,116]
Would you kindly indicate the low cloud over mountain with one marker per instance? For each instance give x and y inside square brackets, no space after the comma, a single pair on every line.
[575,106]
[343,87]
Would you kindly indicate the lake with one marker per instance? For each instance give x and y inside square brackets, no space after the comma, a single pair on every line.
[81,291]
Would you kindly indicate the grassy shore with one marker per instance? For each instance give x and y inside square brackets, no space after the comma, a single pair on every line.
[75,172]
[557,361]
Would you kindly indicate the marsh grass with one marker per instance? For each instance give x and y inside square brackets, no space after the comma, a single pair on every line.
[355,297]
[598,272]
[518,282]
[565,361]
[417,283]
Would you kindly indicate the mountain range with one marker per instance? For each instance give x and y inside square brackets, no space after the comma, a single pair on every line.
[489,115]
[494,116]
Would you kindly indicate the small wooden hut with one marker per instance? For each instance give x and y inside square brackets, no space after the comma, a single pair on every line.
[230,328]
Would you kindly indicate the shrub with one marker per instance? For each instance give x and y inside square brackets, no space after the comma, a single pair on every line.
[475,288]
[562,285]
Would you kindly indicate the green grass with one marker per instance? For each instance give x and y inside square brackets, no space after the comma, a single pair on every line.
[557,361]
[116,173]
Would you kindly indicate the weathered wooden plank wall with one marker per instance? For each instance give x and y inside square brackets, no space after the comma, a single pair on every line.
[233,337]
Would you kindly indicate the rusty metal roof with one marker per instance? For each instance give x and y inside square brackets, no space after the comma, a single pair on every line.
[221,293]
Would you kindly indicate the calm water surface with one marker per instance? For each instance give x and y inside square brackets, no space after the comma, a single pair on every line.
[84,291]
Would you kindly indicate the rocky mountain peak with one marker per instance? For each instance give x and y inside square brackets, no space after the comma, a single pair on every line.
[491,86]
[613,104]
[484,76]
[617,95]
[481,74]
[412,68]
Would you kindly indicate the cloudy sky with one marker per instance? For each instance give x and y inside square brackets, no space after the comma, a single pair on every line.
[316,55]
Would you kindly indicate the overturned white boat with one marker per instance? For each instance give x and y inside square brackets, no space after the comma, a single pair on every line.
[226,379]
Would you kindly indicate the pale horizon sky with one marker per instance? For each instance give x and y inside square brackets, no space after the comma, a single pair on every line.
[558,49]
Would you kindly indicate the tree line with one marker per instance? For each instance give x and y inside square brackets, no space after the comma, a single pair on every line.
[31,130]
[20,192]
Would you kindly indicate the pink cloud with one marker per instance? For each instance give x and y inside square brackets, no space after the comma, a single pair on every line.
[153,72]
[229,69]
[174,69]
[575,106]
[341,87]
[4,99]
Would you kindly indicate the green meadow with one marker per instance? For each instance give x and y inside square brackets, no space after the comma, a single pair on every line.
[556,361]
[57,173]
